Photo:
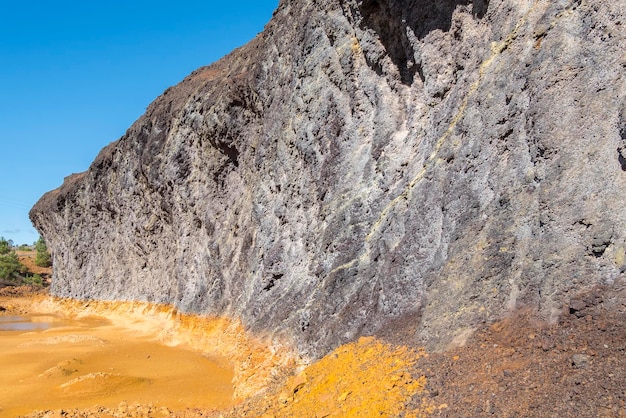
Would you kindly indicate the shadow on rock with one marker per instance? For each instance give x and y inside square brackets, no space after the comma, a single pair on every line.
[392,20]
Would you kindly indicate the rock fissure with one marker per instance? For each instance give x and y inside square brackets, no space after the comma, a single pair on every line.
[405,195]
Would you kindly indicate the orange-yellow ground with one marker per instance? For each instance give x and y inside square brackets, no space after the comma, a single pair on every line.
[79,364]
[99,357]
[366,378]
[107,353]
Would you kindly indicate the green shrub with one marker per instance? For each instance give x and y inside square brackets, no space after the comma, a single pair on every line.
[10,267]
[43,258]
[35,279]
[5,246]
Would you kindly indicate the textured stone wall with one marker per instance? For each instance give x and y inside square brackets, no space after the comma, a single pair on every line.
[397,167]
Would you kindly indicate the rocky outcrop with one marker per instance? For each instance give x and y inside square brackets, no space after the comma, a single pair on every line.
[367,167]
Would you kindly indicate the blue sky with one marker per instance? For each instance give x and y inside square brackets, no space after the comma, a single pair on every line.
[74,75]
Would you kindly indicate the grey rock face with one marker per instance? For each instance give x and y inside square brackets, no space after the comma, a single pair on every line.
[363,167]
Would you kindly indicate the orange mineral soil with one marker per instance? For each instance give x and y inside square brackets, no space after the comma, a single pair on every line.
[59,355]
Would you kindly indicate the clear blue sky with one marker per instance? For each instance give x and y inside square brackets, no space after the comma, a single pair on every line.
[74,75]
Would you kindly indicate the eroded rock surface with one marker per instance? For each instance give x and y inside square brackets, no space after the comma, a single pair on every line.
[363,167]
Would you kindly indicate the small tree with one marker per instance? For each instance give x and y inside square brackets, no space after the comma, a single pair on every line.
[35,280]
[10,266]
[42,259]
[5,246]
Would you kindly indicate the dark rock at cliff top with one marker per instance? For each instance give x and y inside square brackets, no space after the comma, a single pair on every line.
[366,166]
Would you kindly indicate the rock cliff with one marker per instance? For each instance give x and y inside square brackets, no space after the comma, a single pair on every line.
[389,167]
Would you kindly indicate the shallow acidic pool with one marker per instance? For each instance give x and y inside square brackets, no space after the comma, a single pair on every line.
[26,323]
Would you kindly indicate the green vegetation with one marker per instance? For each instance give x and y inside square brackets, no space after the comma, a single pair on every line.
[5,246]
[10,267]
[43,258]
[35,280]
[13,272]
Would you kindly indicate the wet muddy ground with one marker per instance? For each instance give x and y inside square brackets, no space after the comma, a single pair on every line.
[50,363]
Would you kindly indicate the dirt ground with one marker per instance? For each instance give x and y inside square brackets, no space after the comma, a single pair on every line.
[27,258]
[53,362]
[62,363]
[518,367]
[523,367]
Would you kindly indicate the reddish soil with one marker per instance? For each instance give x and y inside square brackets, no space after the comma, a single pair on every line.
[522,367]
[28,259]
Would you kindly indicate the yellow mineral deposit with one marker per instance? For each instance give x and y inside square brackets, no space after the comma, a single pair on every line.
[366,378]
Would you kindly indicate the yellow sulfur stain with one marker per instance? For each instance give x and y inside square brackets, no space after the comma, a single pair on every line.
[366,378]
